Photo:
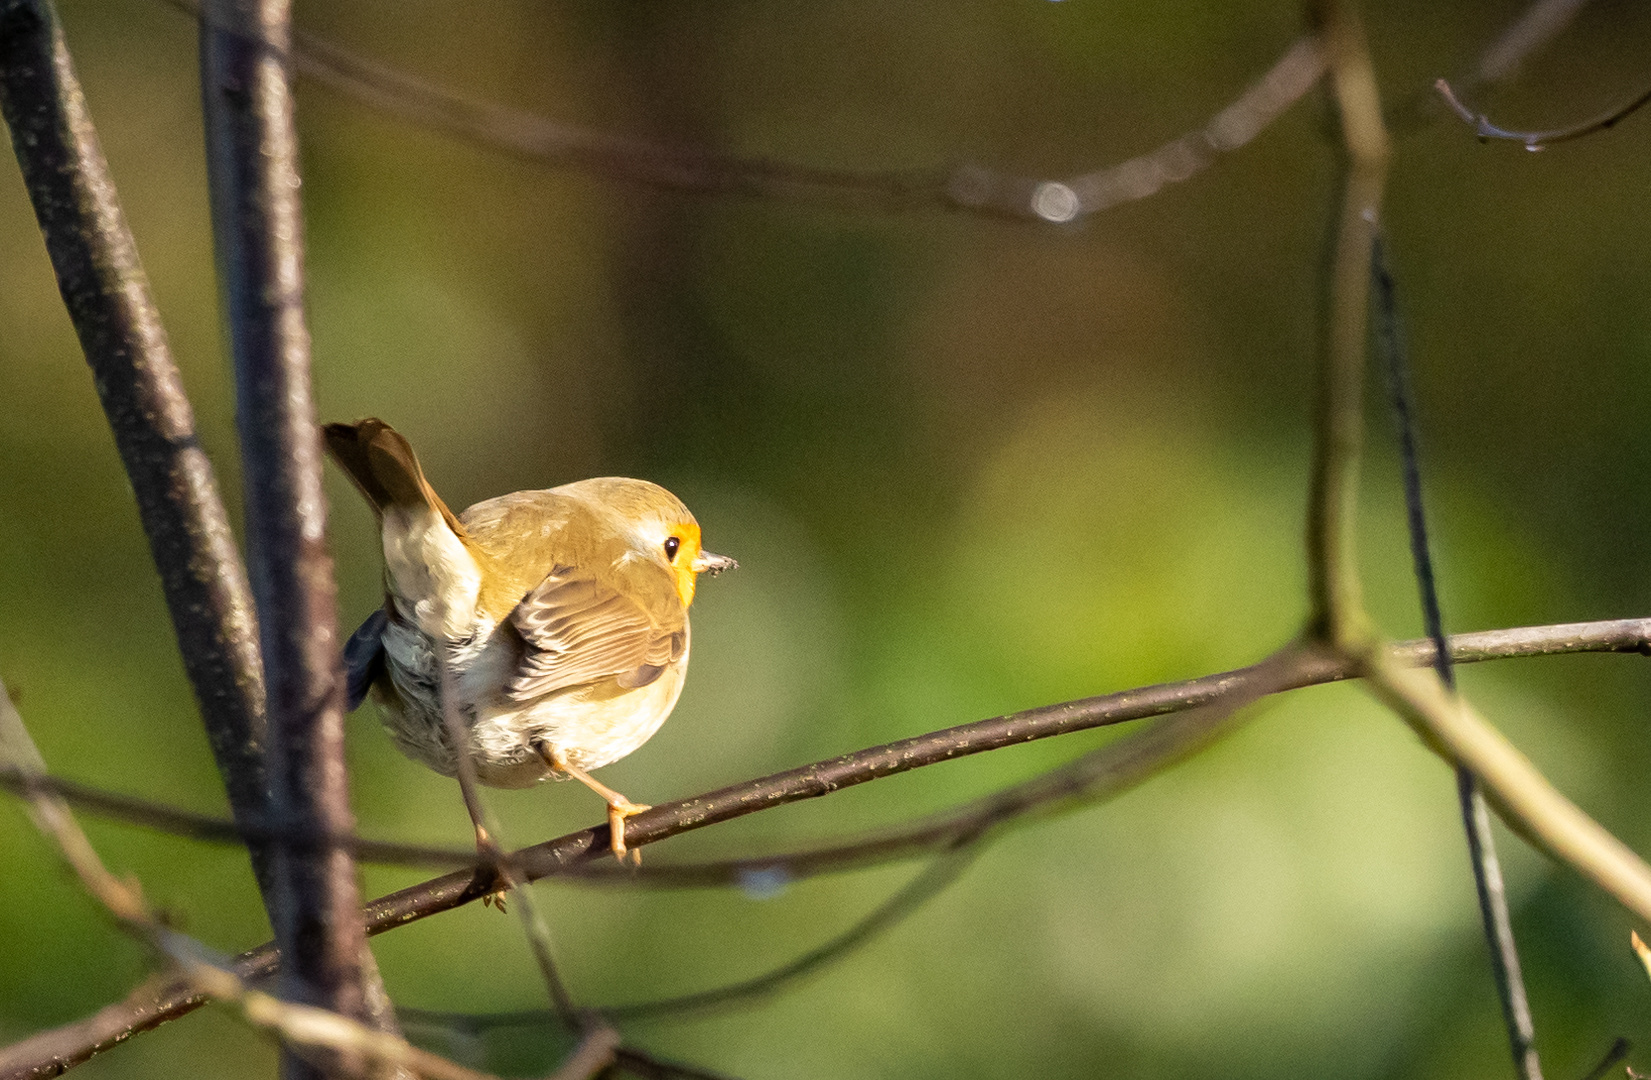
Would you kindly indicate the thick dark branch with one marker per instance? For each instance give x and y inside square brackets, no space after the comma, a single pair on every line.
[51,1052]
[252,161]
[108,298]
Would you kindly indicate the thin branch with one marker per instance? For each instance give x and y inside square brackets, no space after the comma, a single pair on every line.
[1487,868]
[595,1052]
[1127,763]
[51,1052]
[1338,611]
[1543,21]
[913,838]
[252,163]
[204,827]
[503,866]
[1521,795]
[1617,1051]
[971,188]
[114,315]
[928,884]
[355,1047]
[1538,140]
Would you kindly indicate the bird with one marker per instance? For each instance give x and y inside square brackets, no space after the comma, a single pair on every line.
[560,616]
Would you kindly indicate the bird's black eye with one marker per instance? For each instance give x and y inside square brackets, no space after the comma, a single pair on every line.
[672,545]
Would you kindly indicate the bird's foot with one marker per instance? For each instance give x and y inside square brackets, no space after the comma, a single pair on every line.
[487,851]
[618,810]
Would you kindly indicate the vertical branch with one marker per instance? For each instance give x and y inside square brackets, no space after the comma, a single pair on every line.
[252,156]
[114,315]
[1338,615]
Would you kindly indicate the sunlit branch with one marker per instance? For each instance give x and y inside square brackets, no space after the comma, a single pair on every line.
[353,1047]
[51,1052]
[1605,636]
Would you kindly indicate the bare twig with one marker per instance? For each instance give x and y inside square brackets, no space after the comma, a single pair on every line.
[913,838]
[299,1024]
[933,879]
[595,1052]
[1538,140]
[503,866]
[1615,1053]
[1522,796]
[1487,868]
[1338,611]
[972,188]
[216,830]
[114,315]
[51,1052]
[252,163]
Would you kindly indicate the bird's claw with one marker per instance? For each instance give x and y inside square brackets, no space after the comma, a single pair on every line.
[617,813]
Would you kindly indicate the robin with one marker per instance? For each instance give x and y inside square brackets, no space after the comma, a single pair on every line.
[562,616]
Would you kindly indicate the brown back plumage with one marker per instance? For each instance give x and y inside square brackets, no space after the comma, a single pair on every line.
[384,467]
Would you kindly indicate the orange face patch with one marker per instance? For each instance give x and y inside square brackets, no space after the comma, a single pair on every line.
[683,565]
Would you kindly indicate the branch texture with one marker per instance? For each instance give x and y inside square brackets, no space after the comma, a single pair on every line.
[114,315]
[252,161]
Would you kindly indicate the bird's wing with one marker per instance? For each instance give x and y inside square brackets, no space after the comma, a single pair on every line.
[364,657]
[579,630]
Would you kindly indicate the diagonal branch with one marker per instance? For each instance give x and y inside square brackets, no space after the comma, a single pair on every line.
[50,1053]
[302,1025]
[1487,868]
[114,315]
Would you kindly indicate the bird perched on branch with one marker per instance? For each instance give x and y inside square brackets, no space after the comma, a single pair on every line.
[561,615]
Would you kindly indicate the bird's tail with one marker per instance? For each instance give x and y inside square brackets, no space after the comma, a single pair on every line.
[384,468]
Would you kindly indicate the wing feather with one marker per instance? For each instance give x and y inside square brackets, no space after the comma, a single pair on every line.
[578,630]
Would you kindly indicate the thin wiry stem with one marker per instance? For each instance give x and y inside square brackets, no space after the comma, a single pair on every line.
[1540,23]
[501,864]
[1487,868]
[933,879]
[252,165]
[1521,795]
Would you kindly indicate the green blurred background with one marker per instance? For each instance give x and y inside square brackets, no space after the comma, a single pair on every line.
[967,465]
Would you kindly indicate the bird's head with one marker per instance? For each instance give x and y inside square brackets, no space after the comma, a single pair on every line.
[661,529]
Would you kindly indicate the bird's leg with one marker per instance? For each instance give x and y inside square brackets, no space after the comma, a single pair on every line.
[619,807]
[488,852]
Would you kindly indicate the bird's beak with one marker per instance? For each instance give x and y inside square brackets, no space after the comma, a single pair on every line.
[707,563]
